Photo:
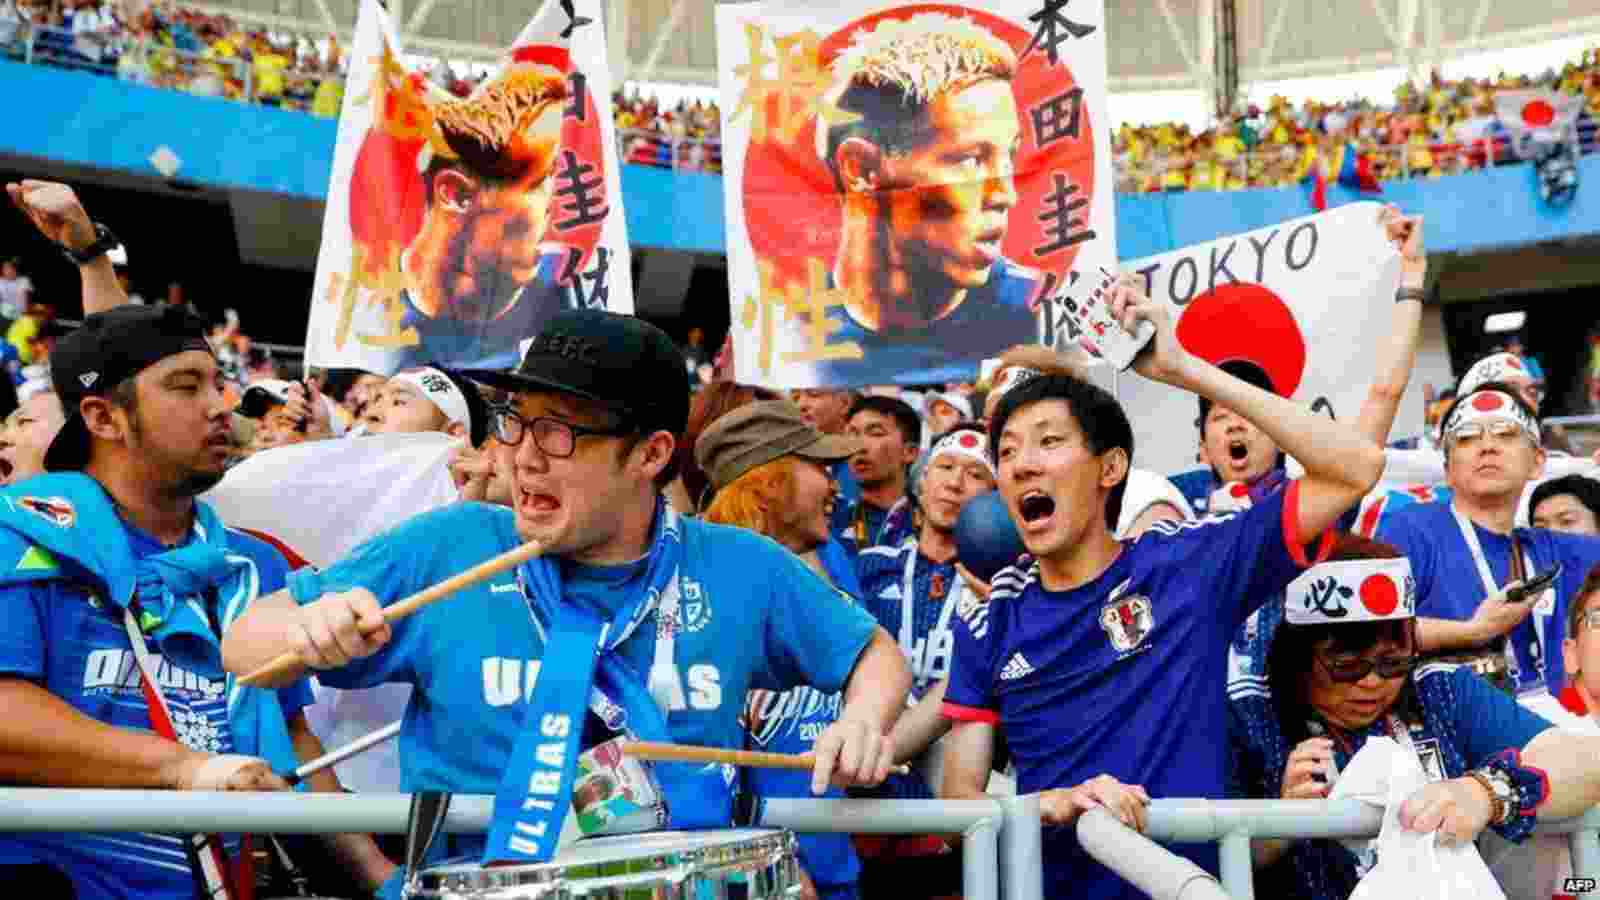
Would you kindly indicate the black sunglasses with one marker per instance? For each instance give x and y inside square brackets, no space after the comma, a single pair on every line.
[1352,670]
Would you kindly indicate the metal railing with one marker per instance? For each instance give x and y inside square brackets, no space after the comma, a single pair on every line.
[1001,849]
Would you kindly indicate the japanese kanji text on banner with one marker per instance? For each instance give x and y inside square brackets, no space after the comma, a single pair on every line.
[456,226]
[1307,302]
[910,188]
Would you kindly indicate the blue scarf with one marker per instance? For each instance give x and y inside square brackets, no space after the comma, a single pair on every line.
[70,516]
[581,659]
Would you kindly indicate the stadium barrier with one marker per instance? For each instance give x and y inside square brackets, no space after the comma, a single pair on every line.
[1002,849]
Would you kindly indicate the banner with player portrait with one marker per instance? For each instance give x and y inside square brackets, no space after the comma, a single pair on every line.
[910,188]
[1307,301]
[456,226]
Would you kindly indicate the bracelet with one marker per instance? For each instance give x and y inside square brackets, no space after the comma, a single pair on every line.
[1501,807]
[1410,293]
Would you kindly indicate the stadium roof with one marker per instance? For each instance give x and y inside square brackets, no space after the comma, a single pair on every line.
[1154,44]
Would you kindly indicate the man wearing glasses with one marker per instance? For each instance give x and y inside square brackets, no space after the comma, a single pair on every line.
[1581,650]
[1468,554]
[687,616]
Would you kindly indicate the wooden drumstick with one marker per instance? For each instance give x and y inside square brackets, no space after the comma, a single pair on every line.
[397,611]
[659,752]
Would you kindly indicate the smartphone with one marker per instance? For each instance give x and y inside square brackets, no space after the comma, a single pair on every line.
[1518,593]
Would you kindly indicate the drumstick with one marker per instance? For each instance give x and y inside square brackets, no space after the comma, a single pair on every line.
[334,757]
[659,752]
[397,611]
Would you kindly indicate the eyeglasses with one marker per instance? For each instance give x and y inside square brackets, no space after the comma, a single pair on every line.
[1590,619]
[1348,671]
[1497,428]
[553,437]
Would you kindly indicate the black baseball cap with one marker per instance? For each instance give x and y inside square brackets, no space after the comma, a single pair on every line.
[111,346]
[621,362]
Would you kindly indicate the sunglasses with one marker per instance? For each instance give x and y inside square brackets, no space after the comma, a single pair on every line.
[1349,671]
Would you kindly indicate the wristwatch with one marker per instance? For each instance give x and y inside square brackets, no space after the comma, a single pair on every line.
[1411,293]
[104,242]
[1501,792]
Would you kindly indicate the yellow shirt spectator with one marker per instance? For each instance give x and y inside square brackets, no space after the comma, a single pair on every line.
[330,96]
[20,335]
[269,69]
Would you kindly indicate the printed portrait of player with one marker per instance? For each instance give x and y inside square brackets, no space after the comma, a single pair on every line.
[475,271]
[923,149]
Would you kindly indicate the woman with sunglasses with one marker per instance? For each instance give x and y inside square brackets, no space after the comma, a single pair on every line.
[1343,669]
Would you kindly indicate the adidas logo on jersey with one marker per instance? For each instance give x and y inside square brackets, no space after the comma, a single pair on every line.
[1016,668]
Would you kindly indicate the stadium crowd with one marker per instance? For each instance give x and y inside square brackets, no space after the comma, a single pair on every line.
[972,580]
[1447,128]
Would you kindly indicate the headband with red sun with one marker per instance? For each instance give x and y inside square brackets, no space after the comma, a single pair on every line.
[969,444]
[1477,410]
[1356,590]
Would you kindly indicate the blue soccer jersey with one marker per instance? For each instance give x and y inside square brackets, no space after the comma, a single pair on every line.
[1449,585]
[63,639]
[766,622]
[1124,675]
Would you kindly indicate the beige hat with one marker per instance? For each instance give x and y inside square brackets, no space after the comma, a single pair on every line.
[760,433]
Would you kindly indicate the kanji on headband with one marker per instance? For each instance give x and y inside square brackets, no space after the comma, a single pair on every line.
[1355,590]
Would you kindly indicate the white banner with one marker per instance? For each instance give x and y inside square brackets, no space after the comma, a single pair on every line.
[909,188]
[1542,115]
[456,226]
[1308,301]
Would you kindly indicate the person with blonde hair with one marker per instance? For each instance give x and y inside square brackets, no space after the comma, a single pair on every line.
[922,153]
[770,473]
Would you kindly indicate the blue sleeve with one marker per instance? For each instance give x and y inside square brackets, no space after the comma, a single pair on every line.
[814,633]
[1405,537]
[1489,720]
[22,630]
[392,566]
[1245,555]
[969,695]
[877,573]
[1579,554]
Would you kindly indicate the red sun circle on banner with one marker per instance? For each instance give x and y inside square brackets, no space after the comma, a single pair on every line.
[1488,401]
[1248,322]
[1379,594]
[792,205]
[1538,113]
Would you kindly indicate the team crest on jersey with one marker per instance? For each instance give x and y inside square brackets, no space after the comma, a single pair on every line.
[57,511]
[696,608]
[1127,621]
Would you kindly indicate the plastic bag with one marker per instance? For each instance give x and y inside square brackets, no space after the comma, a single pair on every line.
[1409,865]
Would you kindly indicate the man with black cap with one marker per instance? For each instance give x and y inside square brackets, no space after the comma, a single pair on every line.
[115,586]
[687,616]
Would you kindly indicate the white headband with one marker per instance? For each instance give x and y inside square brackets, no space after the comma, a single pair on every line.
[1010,378]
[1357,590]
[970,444]
[1484,405]
[438,389]
[1498,367]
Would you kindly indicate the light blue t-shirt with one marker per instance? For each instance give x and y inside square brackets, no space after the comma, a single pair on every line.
[59,636]
[753,616]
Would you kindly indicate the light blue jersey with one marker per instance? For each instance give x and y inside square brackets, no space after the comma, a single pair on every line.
[754,617]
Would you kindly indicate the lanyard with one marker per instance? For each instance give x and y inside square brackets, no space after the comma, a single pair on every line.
[1521,568]
[204,849]
[941,629]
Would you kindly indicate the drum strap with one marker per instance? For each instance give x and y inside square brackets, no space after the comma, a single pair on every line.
[426,817]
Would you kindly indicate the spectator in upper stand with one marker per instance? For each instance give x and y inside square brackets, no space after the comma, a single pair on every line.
[268,63]
[891,436]
[24,330]
[15,290]
[93,32]
[1570,503]
[27,434]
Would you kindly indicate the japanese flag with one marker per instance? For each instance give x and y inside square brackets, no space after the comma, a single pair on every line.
[1544,116]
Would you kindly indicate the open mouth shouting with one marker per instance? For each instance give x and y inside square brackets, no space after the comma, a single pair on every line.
[1036,508]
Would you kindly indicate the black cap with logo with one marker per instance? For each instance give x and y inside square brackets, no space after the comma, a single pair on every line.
[619,361]
[111,346]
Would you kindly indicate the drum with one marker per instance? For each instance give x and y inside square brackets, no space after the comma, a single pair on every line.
[746,864]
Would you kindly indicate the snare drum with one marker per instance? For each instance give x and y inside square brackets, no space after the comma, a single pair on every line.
[742,864]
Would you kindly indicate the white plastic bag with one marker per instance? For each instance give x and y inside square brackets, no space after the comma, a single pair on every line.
[1410,865]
